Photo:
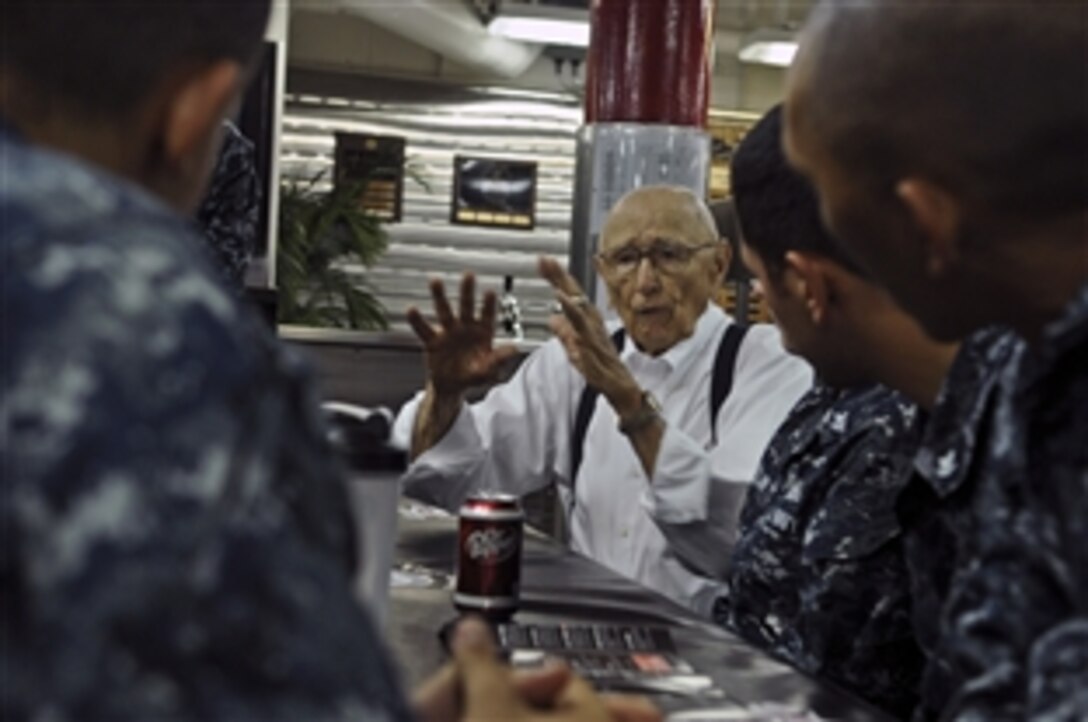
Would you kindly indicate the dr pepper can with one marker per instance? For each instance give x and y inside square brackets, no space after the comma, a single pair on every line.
[489,556]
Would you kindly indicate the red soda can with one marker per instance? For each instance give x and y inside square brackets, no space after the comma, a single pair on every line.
[489,556]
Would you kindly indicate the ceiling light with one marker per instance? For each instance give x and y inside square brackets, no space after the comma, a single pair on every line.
[769,47]
[541,24]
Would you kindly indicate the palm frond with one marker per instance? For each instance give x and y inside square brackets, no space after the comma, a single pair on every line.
[318,232]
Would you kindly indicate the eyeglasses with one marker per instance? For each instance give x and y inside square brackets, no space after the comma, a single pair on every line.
[665,256]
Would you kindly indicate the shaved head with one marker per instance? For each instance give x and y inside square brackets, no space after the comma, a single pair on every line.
[948,143]
[989,99]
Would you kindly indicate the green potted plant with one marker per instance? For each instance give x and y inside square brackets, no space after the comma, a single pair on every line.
[317,232]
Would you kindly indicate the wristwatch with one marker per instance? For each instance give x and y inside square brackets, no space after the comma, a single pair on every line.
[648,412]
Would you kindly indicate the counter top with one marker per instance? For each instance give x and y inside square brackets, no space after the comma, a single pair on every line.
[561,586]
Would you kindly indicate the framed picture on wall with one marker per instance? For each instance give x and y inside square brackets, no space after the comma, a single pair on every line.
[376,163]
[494,193]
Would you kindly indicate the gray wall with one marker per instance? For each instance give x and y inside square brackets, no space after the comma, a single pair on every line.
[439,123]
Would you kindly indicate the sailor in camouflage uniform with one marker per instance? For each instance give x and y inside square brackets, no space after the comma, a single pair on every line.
[176,543]
[935,509]
[161,455]
[229,214]
[1015,623]
[818,574]
[972,224]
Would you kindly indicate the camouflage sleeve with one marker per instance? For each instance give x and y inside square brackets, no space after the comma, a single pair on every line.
[176,538]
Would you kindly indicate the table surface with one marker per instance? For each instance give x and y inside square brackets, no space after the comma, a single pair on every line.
[561,586]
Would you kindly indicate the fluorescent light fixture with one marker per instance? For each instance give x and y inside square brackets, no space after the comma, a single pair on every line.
[769,47]
[541,24]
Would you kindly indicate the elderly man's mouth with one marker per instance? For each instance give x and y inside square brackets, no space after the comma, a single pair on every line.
[652,312]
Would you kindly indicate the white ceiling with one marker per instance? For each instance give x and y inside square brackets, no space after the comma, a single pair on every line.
[325,37]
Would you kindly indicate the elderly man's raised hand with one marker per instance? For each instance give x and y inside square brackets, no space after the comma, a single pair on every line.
[582,332]
[459,350]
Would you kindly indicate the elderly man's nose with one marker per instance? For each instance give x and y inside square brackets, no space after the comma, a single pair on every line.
[647,273]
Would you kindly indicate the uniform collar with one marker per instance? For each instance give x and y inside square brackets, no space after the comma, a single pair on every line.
[1067,332]
[957,422]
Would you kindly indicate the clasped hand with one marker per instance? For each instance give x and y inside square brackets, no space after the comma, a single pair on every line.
[476,687]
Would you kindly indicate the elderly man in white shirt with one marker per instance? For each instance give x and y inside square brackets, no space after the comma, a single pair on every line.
[649,449]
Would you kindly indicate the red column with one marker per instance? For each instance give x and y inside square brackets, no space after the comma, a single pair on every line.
[647,90]
[649,61]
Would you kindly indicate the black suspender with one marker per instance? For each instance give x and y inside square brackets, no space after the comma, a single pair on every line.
[721,384]
[725,364]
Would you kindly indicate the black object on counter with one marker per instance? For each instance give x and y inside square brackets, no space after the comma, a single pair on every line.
[361,436]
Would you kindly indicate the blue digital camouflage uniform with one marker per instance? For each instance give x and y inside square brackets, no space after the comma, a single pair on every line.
[936,508]
[817,575]
[1014,628]
[175,540]
[229,214]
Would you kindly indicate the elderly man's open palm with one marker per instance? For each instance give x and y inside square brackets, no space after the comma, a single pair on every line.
[459,350]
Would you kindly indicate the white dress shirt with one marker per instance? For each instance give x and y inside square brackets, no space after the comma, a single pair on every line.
[517,440]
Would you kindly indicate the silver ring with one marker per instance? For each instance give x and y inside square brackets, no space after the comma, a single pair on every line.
[580,301]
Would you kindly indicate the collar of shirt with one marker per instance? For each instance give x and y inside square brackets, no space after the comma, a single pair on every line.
[958,418]
[1061,336]
[681,355]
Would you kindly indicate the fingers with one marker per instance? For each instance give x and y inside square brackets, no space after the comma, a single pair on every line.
[489,310]
[441,304]
[541,687]
[580,702]
[629,708]
[468,297]
[581,315]
[486,684]
[557,276]
[576,313]
[437,699]
[561,327]
[422,329]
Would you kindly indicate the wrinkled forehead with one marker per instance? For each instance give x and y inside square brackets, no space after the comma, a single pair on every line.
[674,219]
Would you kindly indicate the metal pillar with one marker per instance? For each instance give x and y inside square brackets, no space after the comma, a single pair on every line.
[647,93]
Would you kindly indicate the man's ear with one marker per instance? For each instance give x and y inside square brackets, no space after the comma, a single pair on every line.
[805,278]
[936,214]
[196,108]
[723,259]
